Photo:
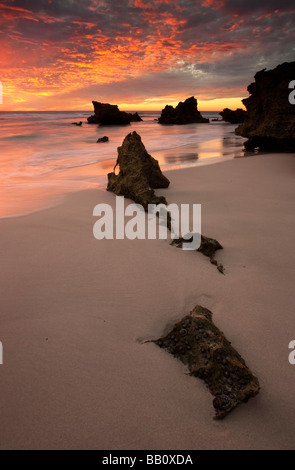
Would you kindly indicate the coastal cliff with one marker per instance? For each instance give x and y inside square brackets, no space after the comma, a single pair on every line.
[270,125]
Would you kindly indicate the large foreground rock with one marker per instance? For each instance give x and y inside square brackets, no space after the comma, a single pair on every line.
[185,113]
[199,344]
[234,117]
[109,114]
[270,125]
[139,173]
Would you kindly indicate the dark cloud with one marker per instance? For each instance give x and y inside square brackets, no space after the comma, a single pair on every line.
[253,6]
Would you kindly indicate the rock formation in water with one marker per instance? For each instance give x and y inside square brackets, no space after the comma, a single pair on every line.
[270,125]
[185,113]
[103,139]
[200,345]
[79,124]
[139,173]
[109,114]
[234,117]
[135,117]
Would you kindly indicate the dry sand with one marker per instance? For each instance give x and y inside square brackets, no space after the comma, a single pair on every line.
[74,312]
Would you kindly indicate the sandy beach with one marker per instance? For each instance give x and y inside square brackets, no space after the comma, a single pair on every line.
[75,313]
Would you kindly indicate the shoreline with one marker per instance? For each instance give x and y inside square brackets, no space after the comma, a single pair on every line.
[61,198]
[75,312]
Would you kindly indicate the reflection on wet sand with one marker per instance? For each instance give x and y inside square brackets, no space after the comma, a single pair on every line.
[232,141]
[229,146]
[182,158]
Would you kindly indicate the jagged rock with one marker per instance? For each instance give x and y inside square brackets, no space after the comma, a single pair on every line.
[185,113]
[234,117]
[135,117]
[270,125]
[77,123]
[139,173]
[108,114]
[200,345]
[208,247]
[103,139]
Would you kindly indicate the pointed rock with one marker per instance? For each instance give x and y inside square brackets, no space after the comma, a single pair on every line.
[139,173]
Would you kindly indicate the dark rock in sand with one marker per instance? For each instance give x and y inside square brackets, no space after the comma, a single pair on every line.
[185,113]
[139,173]
[270,125]
[200,345]
[234,117]
[103,139]
[77,123]
[208,247]
[108,114]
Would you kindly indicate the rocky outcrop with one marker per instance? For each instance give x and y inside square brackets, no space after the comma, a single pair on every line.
[185,113]
[139,173]
[79,124]
[270,125]
[103,139]
[135,117]
[234,117]
[200,345]
[109,114]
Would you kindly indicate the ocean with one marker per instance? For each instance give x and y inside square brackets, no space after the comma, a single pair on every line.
[43,156]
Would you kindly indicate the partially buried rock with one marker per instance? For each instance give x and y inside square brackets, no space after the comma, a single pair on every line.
[103,139]
[270,125]
[200,345]
[79,124]
[185,113]
[208,247]
[139,173]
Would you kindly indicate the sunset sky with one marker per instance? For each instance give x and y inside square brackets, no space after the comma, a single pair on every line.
[62,54]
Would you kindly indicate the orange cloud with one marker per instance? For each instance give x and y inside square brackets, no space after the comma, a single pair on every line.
[10,11]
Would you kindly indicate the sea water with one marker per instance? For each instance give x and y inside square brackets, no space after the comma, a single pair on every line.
[43,156]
